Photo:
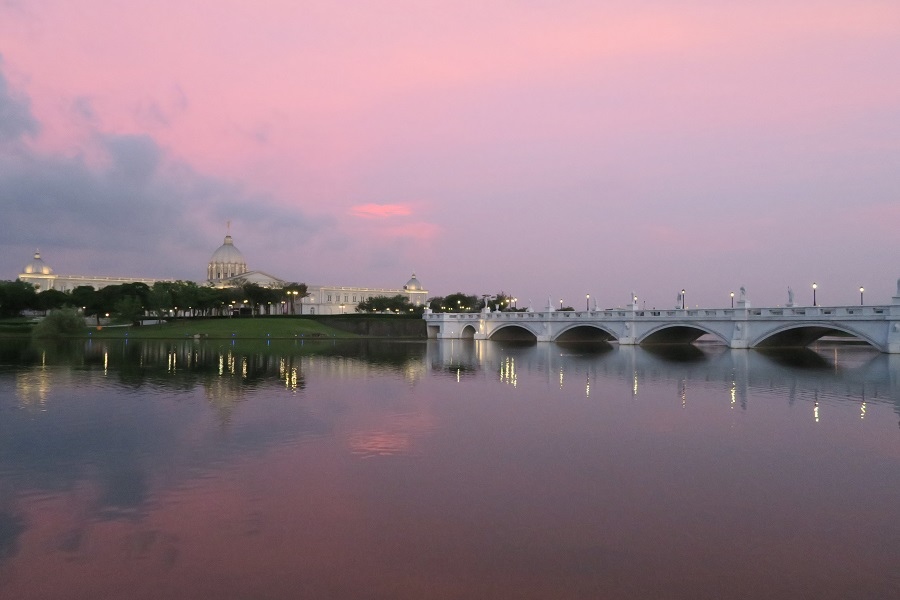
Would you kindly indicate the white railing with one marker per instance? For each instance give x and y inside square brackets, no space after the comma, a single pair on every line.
[693,314]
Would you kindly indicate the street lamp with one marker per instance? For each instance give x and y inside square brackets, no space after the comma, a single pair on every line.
[861,290]
[682,298]
[560,304]
[587,302]
[814,293]
[732,299]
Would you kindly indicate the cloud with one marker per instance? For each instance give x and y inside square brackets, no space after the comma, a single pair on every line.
[140,209]
[16,119]
[135,212]
[380,211]
[123,205]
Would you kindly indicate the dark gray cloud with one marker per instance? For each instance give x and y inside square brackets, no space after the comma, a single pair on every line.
[15,114]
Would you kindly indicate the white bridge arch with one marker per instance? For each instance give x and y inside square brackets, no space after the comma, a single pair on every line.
[739,327]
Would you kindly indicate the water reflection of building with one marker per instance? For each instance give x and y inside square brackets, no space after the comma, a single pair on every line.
[228,370]
[33,387]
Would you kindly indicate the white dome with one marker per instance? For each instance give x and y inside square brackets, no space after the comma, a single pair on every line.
[37,266]
[413,284]
[227,261]
[227,253]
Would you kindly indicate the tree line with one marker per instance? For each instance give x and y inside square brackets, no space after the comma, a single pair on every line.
[461,302]
[132,301]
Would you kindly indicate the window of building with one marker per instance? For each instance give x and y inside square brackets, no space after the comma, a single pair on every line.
[329,297]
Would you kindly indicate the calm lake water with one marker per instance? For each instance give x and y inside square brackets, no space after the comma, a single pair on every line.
[381,470]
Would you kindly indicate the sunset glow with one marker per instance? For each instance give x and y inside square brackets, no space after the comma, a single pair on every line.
[535,148]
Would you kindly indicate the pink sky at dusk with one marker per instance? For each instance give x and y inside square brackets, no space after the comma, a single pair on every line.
[544,149]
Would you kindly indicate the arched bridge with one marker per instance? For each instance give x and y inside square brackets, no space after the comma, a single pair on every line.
[739,327]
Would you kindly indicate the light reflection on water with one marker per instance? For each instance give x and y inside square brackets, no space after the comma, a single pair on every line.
[446,470]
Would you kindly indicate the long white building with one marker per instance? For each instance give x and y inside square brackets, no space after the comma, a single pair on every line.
[228,268]
[41,276]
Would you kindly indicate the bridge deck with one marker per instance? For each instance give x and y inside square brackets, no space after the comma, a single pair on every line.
[739,327]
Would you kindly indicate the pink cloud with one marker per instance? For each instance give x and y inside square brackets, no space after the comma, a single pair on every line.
[380,211]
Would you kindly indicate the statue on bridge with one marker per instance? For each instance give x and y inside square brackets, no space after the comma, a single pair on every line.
[790,301]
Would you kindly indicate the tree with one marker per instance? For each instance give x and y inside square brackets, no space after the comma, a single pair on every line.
[499,301]
[295,291]
[52,299]
[208,298]
[16,296]
[257,295]
[130,309]
[186,296]
[458,302]
[388,304]
[65,321]
[159,300]
[86,297]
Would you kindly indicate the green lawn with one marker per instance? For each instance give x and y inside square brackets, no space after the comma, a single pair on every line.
[16,327]
[244,327]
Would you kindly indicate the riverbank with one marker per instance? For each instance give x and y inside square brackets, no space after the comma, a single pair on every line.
[261,327]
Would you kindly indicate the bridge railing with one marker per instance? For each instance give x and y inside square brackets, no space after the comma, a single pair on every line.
[803,312]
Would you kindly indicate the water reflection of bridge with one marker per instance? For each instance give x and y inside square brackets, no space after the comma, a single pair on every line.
[840,371]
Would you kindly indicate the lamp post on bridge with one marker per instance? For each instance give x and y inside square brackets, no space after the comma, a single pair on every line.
[814,293]
[560,304]
[861,290]
[682,298]
[587,302]
[732,299]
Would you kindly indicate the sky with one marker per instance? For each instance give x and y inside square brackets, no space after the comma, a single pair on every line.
[544,149]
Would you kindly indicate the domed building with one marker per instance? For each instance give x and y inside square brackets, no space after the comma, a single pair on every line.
[37,266]
[228,268]
[226,262]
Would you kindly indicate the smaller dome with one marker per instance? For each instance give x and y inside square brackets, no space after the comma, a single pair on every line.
[413,284]
[37,266]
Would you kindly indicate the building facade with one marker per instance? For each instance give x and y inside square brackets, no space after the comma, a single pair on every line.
[228,268]
[42,277]
[337,300]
